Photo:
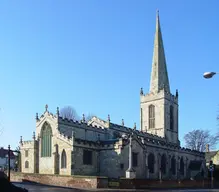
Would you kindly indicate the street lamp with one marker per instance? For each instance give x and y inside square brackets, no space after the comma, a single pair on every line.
[9,162]
[6,163]
[208,75]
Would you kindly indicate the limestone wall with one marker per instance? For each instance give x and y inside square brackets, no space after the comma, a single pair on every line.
[215,159]
[82,131]
[30,158]
[50,119]
[171,135]
[115,162]
[110,164]
[159,117]
[68,148]
[162,102]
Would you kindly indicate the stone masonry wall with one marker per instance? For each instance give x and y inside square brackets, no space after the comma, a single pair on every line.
[29,147]
[64,181]
[63,145]
[103,182]
[79,168]
[115,162]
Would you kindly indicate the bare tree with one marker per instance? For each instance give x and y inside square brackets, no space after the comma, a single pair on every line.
[17,159]
[197,140]
[88,117]
[69,113]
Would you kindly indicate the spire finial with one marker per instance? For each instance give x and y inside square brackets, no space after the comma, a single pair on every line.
[83,118]
[134,126]
[46,107]
[21,140]
[157,12]
[123,122]
[141,91]
[108,118]
[37,116]
[57,111]
[34,137]
[177,93]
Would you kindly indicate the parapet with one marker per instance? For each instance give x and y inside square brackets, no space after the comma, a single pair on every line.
[71,122]
[108,144]
[161,94]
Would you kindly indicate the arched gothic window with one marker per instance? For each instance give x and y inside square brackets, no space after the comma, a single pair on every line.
[163,164]
[181,166]
[151,161]
[26,164]
[63,159]
[171,118]
[173,165]
[46,141]
[151,116]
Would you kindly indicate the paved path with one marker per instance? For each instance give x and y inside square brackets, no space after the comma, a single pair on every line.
[38,187]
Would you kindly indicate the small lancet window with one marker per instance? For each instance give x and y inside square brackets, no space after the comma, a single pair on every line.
[63,160]
[26,164]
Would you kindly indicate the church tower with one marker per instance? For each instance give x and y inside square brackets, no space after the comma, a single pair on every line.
[159,108]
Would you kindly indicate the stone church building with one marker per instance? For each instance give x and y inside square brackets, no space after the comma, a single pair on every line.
[102,148]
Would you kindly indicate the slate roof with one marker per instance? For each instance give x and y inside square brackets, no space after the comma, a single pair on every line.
[209,155]
[105,142]
[4,152]
[195,165]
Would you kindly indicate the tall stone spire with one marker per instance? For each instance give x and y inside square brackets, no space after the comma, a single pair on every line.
[159,75]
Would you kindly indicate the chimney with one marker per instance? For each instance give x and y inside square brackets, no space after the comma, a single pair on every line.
[207,148]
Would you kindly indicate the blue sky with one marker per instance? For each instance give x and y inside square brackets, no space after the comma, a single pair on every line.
[96,55]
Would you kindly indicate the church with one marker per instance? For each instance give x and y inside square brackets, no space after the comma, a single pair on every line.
[102,148]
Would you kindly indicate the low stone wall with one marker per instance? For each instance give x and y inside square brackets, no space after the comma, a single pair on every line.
[165,184]
[103,182]
[64,181]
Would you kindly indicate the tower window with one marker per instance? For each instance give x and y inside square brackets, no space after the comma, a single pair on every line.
[171,118]
[151,116]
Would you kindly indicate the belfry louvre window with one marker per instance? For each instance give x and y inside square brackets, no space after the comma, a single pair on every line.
[171,118]
[151,114]
[87,157]
[46,141]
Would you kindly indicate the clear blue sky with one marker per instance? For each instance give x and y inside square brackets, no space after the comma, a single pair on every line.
[96,55]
